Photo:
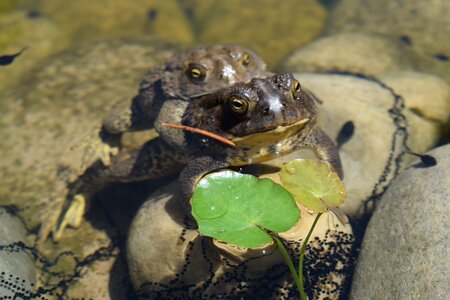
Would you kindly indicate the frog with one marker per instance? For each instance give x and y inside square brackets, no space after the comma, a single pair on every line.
[264,118]
[186,75]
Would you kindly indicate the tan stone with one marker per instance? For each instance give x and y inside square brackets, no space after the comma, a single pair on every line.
[368,54]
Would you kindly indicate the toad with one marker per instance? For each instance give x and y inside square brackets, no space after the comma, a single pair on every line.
[184,76]
[265,118]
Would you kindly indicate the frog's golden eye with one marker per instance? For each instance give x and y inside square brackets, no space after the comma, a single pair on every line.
[246,59]
[195,72]
[238,106]
[297,86]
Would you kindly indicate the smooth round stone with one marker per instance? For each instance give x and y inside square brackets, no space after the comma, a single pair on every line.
[425,25]
[427,98]
[422,26]
[369,54]
[426,95]
[17,271]
[167,258]
[271,28]
[405,254]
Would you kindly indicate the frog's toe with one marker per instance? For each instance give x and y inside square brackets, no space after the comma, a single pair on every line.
[50,219]
[106,152]
[72,217]
[95,148]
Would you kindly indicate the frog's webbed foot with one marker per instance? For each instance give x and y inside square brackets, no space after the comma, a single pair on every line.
[71,215]
[49,219]
[61,213]
[97,148]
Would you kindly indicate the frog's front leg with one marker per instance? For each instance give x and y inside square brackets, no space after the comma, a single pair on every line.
[195,170]
[125,116]
[154,160]
[325,149]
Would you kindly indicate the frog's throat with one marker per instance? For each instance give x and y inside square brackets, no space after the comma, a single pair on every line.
[270,136]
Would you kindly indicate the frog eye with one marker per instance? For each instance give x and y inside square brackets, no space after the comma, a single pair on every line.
[195,73]
[297,86]
[246,59]
[238,106]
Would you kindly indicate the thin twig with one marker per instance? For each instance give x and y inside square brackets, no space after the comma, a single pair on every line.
[201,131]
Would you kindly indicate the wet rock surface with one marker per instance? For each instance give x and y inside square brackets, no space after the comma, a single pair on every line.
[405,249]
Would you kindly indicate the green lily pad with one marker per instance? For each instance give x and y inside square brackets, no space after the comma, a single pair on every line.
[313,184]
[234,207]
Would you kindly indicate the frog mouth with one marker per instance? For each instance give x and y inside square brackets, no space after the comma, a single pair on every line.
[279,133]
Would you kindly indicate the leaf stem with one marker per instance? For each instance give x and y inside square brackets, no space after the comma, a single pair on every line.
[303,295]
[289,263]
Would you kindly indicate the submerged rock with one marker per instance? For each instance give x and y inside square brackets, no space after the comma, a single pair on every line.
[17,271]
[167,258]
[421,26]
[369,54]
[271,28]
[92,20]
[424,25]
[40,36]
[405,254]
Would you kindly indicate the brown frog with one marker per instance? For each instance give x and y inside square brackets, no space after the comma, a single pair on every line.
[184,76]
[265,118]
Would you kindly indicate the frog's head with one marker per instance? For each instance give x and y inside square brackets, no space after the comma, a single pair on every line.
[257,113]
[205,70]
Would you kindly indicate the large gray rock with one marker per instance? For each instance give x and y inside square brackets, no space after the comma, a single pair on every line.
[17,271]
[405,252]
